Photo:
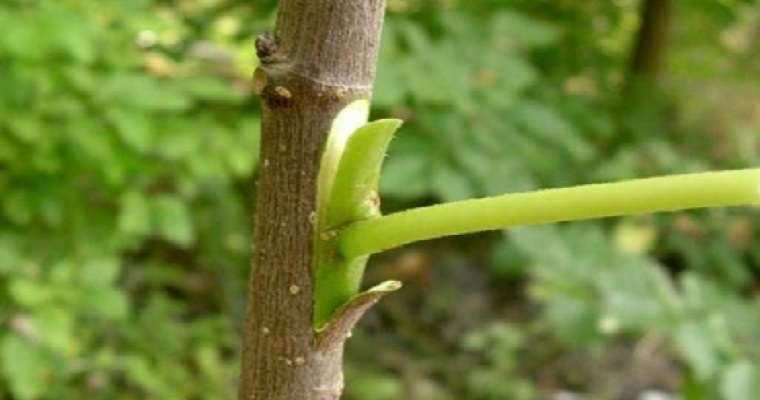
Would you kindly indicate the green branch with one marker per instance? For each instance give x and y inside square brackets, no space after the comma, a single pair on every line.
[639,196]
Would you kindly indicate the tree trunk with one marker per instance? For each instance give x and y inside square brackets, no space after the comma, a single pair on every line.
[321,56]
[651,44]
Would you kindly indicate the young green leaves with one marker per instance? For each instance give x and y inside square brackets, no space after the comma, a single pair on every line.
[347,190]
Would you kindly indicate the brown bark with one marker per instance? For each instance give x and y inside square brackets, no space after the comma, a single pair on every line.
[651,45]
[321,56]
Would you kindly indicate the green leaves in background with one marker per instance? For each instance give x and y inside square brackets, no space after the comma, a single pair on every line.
[117,138]
[594,289]
[535,99]
[25,367]
[479,99]
[164,216]
[128,141]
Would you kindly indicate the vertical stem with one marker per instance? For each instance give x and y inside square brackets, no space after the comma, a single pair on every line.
[321,57]
[652,41]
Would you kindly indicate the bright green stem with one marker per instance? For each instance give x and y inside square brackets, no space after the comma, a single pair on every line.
[639,196]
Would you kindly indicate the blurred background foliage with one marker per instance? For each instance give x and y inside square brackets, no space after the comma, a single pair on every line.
[128,148]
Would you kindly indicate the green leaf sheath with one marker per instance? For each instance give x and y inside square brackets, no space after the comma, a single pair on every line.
[345,124]
[350,195]
[354,192]
[639,196]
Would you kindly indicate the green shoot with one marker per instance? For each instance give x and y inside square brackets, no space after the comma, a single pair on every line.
[639,196]
[347,190]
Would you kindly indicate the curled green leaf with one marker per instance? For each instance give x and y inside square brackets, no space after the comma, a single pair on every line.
[348,182]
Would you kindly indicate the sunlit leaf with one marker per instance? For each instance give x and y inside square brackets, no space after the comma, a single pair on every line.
[697,347]
[741,381]
[25,366]
[172,219]
[134,216]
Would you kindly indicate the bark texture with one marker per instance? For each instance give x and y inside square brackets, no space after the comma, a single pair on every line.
[320,57]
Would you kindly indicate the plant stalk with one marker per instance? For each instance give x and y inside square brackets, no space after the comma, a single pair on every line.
[320,57]
[638,196]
